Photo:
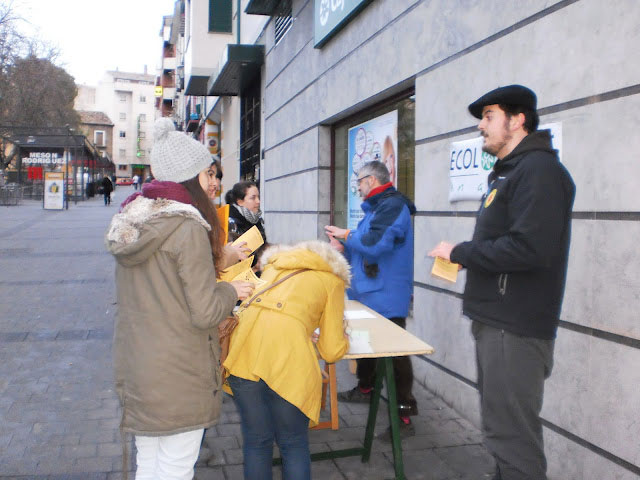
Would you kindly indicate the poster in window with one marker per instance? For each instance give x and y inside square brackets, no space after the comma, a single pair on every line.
[376,139]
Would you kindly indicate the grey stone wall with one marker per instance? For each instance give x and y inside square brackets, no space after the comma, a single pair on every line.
[582,59]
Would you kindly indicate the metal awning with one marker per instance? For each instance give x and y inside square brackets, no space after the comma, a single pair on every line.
[239,66]
[197,86]
[268,7]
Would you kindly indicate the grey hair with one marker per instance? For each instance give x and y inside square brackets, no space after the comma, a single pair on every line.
[375,169]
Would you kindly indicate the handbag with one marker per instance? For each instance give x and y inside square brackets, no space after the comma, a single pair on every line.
[229,324]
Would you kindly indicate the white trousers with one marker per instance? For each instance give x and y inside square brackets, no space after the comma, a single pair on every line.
[171,457]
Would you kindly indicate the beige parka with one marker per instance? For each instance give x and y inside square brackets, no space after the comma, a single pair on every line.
[166,348]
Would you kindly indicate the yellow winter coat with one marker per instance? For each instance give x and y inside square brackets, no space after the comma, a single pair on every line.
[273,339]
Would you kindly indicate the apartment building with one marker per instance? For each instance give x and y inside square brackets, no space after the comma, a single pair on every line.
[128,100]
[207,37]
[296,87]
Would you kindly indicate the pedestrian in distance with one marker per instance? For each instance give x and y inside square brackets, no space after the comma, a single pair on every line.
[135,181]
[274,373]
[107,188]
[380,252]
[244,213]
[516,267]
[166,243]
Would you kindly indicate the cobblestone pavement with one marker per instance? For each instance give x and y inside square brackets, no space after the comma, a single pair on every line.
[59,414]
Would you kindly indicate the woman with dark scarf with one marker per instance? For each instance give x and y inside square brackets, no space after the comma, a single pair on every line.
[244,213]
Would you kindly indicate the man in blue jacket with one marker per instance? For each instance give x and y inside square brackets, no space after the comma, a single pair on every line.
[380,252]
[516,270]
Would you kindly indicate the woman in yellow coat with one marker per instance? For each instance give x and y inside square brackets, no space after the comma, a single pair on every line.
[274,373]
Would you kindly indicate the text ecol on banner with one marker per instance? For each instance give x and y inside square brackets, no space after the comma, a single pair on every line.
[376,139]
[469,166]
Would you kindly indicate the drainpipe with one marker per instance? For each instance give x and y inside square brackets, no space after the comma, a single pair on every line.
[239,9]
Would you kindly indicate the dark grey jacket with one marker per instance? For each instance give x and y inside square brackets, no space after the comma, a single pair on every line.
[517,258]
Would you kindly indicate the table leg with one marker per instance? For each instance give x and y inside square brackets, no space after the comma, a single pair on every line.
[373,411]
[394,420]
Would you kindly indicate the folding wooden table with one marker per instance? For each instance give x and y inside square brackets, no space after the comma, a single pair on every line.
[387,340]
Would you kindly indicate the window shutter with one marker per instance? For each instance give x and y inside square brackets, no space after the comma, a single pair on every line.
[220,16]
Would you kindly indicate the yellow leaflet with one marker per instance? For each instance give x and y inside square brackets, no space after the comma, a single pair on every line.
[252,237]
[445,269]
[233,271]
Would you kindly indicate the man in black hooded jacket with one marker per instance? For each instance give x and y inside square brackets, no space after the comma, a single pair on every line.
[516,270]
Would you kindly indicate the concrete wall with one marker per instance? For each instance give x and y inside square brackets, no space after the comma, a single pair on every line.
[581,58]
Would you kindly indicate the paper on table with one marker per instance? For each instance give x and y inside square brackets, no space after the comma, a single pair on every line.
[359,342]
[355,314]
[445,269]
[252,237]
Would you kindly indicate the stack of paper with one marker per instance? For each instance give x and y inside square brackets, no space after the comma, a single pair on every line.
[242,271]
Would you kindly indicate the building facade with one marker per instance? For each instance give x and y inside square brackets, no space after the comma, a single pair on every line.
[98,128]
[306,91]
[128,100]
[413,66]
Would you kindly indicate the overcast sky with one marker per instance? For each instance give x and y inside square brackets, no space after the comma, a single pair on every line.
[94,36]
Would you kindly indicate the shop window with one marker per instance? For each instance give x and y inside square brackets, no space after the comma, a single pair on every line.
[220,16]
[250,132]
[122,167]
[385,132]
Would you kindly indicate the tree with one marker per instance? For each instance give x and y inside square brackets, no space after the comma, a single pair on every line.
[34,91]
[42,94]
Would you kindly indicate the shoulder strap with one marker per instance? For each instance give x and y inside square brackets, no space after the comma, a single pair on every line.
[287,277]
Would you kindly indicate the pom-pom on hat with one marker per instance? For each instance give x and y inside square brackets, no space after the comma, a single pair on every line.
[510,95]
[175,157]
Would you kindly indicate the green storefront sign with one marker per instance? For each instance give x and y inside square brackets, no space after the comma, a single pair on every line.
[329,16]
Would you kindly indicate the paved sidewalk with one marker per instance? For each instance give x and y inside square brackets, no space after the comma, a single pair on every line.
[59,414]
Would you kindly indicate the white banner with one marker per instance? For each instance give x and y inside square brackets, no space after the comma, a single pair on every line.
[469,166]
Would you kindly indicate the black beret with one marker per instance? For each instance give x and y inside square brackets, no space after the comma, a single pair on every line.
[510,95]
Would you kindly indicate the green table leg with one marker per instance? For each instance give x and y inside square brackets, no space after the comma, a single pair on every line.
[373,412]
[394,419]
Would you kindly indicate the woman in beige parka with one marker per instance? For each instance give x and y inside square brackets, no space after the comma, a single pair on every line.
[166,243]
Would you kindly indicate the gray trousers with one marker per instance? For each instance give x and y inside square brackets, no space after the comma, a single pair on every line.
[511,374]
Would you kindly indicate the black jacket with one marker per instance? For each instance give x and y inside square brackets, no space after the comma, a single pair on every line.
[107,186]
[238,225]
[517,258]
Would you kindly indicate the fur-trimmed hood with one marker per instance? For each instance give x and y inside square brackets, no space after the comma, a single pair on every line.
[313,254]
[144,224]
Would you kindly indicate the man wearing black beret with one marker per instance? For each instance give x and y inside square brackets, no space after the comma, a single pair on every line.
[516,267]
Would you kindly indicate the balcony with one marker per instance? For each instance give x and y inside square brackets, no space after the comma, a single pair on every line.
[168,93]
[169,63]
[240,64]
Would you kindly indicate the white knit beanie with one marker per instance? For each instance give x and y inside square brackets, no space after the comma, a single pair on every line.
[176,157]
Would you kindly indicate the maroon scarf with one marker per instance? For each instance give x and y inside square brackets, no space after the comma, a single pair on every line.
[157,189]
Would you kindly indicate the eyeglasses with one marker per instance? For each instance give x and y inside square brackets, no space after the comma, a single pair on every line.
[360,179]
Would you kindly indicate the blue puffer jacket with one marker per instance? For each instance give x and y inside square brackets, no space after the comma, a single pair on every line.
[380,252]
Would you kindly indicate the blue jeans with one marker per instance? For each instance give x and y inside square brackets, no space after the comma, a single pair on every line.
[266,416]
